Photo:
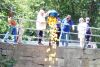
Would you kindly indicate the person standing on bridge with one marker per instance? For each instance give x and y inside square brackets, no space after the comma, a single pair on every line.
[82,28]
[20,30]
[41,24]
[67,25]
[88,32]
[12,30]
[58,25]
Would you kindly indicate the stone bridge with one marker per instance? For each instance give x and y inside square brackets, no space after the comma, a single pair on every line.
[34,55]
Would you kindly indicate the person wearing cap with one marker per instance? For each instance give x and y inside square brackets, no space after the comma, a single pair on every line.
[82,28]
[53,20]
[66,26]
[40,24]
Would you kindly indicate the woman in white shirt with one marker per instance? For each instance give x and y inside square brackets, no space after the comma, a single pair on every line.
[82,28]
[40,24]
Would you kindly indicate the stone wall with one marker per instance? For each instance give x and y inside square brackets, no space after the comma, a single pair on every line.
[33,56]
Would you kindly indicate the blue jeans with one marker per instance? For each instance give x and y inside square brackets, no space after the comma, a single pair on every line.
[64,38]
[12,31]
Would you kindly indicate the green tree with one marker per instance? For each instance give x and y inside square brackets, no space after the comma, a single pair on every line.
[28,9]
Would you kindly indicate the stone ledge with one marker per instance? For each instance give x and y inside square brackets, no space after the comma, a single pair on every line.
[33,56]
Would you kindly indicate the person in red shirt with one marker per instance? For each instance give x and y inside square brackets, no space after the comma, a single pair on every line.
[12,30]
[12,23]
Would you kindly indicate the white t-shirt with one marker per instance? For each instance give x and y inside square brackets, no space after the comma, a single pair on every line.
[41,22]
[82,28]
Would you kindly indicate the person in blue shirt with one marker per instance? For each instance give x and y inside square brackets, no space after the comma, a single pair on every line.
[54,19]
[67,25]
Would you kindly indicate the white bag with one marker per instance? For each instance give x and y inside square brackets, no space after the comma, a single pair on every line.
[91,45]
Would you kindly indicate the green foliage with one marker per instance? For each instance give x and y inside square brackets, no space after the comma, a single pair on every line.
[6,62]
[28,9]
